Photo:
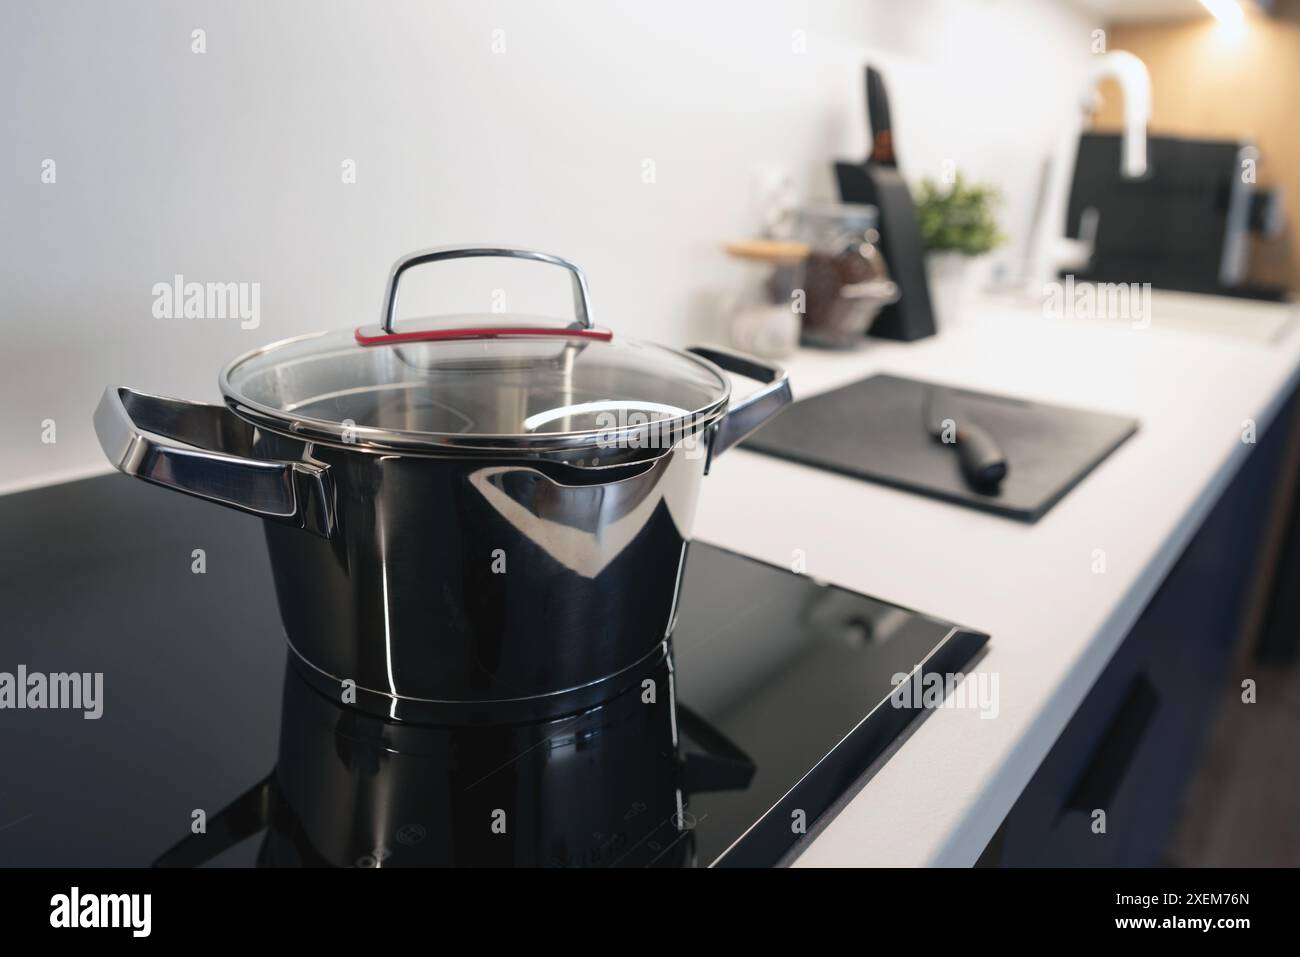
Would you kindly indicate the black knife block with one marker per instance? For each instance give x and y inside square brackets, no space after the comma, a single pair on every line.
[900,240]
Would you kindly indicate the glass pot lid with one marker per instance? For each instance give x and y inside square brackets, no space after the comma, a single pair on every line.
[493,383]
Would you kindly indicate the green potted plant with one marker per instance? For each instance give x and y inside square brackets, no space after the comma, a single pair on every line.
[958,222]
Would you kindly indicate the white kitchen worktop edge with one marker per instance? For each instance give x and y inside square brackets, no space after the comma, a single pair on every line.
[1054,623]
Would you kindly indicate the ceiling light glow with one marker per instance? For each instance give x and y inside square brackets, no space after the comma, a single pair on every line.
[1227,12]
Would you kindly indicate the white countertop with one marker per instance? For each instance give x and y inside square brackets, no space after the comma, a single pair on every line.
[1201,369]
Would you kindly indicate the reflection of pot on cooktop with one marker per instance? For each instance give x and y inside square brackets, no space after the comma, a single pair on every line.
[609,786]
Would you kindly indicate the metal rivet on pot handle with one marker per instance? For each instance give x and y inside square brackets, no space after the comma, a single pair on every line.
[581,298]
[756,408]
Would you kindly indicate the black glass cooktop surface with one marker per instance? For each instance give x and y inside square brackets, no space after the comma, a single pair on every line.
[192,739]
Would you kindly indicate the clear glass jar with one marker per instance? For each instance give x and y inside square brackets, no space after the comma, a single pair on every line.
[844,280]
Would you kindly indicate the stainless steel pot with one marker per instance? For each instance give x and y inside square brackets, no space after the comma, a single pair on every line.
[464,521]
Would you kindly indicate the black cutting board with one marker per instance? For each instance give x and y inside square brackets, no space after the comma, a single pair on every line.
[875,429]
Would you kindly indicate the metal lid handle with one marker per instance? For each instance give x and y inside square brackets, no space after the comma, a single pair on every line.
[581,298]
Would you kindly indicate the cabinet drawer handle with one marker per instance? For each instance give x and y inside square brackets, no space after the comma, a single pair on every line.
[1106,769]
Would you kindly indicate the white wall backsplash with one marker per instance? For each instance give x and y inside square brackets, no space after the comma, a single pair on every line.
[226,165]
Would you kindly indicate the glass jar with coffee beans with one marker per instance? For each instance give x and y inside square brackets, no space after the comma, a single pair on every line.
[844,279]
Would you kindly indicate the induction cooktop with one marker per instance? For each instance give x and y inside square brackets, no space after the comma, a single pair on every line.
[184,734]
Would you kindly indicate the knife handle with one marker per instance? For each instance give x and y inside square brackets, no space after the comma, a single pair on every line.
[878,120]
[982,461]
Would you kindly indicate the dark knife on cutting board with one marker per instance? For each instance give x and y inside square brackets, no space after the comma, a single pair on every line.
[947,420]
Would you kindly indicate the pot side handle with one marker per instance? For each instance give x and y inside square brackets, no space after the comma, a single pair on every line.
[206,451]
[753,410]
